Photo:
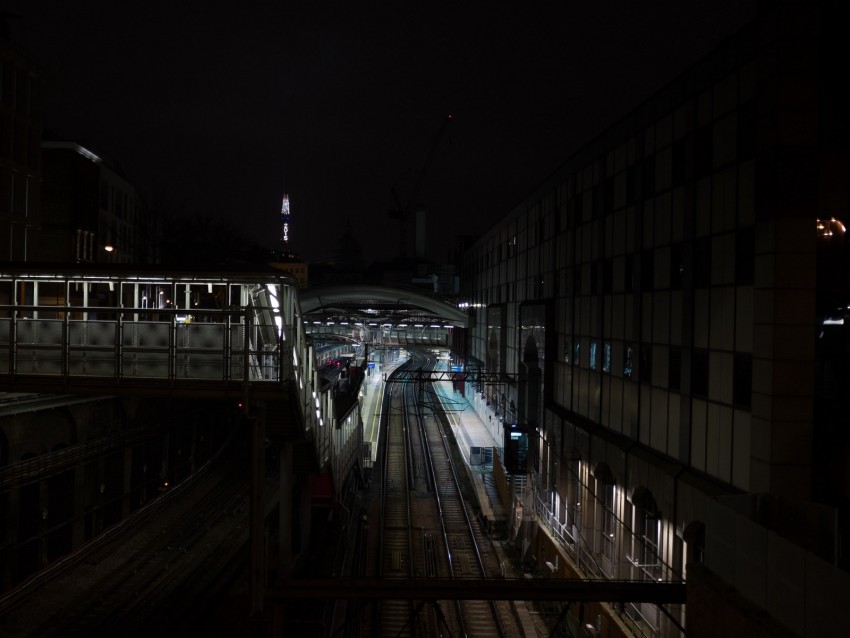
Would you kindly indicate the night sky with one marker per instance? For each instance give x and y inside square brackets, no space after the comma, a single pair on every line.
[220,109]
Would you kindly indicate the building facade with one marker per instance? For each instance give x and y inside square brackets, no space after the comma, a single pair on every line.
[291,264]
[667,312]
[88,208]
[20,152]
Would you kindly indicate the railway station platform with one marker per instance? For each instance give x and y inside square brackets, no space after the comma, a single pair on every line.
[477,440]
[478,443]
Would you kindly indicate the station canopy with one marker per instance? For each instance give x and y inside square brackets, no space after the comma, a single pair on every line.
[374,305]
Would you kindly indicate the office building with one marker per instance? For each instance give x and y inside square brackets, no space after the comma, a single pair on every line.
[21,86]
[668,314]
[89,208]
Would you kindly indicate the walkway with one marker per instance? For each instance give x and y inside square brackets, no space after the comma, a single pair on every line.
[151,333]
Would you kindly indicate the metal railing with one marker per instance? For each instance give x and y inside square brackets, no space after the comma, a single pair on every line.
[642,618]
[117,347]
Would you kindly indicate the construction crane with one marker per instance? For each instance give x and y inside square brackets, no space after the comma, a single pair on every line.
[403,210]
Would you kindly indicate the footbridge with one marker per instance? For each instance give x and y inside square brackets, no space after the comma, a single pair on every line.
[88,331]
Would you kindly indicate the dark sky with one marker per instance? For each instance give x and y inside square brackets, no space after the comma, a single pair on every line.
[222,108]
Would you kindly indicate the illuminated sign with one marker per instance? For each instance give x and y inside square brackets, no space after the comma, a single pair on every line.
[285,218]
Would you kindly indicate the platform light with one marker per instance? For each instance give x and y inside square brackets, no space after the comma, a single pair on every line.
[829,227]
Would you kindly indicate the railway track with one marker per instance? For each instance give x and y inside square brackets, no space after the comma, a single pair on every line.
[397,557]
[428,529]
[154,580]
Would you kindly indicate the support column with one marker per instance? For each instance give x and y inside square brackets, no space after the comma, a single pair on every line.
[43,525]
[285,522]
[257,425]
[10,522]
[285,509]
[78,513]
[127,486]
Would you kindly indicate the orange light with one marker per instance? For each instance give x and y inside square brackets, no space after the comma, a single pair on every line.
[829,227]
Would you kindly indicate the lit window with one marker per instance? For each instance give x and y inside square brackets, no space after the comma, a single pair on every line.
[609,522]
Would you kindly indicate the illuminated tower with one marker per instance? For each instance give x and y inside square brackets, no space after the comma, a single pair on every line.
[284,221]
